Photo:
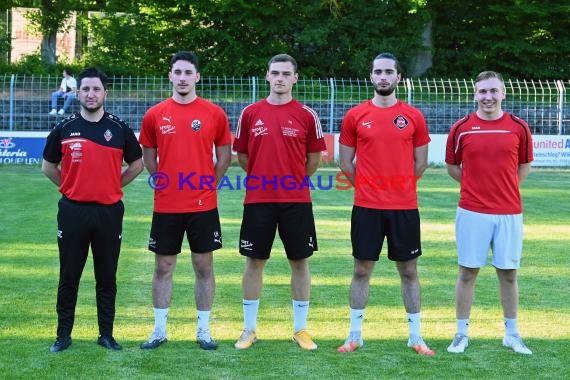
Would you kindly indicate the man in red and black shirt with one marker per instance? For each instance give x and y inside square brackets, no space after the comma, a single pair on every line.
[279,143]
[489,153]
[389,139]
[84,155]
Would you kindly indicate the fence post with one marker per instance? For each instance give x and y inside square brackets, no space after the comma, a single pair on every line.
[409,90]
[331,116]
[253,90]
[560,88]
[12,84]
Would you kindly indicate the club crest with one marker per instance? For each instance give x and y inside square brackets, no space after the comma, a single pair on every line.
[196,125]
[401,122]
[108,135]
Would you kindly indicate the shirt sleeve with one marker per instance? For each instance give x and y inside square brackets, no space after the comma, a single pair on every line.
[315,137]
[242,133]
[421,132]
[52,150]
[526,154]
[132,150]
[223,135]
[348,131]
[147,135]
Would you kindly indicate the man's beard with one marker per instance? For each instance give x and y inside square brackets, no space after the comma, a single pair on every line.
[385,91]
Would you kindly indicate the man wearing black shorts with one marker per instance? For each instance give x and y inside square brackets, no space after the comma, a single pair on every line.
[391,140]
[91,146]
[178,136]
[279,143]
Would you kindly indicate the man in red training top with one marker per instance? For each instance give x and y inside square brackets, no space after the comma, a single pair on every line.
[178,136]
[489,153]
[389,139]
[279,143]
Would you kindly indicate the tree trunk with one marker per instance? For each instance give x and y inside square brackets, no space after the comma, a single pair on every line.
[48,51]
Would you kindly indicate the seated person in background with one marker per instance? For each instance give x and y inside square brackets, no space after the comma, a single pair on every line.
[66,91]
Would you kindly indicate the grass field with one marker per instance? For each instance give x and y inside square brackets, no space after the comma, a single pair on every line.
[29,276]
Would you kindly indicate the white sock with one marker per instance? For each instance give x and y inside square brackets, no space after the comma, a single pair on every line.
[160,318]
[250,309]
[356,319]
[203,320]
[511,327]
[463,326]
[300,314]
[414,324]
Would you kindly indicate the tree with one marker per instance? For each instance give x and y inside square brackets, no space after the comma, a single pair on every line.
[525,39]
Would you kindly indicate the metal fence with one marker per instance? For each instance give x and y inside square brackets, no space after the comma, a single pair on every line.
[25,100]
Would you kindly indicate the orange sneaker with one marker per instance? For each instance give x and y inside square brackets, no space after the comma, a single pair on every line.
[352,343]
[303,339]
[246,340]
[418,344]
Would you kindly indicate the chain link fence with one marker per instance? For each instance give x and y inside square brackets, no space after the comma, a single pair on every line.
[25,100]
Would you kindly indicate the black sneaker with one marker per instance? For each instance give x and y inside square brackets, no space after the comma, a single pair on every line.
[207,344]
[109,342]
[61,343]
[151,344]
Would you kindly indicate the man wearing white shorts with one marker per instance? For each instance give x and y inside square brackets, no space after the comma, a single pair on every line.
[489,153]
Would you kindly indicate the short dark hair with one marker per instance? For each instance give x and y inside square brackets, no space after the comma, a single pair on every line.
[93,72]
[185,56]
[484,75]
[283,58]
[387,56]
[68,70]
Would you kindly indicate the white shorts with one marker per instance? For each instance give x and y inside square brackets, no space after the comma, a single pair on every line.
[475,233]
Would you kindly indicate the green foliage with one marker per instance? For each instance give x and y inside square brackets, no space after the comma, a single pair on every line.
[524,39]
[329,38]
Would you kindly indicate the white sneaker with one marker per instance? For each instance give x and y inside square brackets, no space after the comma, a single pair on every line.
[53,112]
[459,344]
[60,112]
[515,342]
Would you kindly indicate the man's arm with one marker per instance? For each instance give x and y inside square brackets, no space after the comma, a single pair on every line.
[420,160]
[346,161]
[223,158]
[132,170]
[242,160]
[150,159]
[313,161]
[454,172]
[52,171]
[523,171]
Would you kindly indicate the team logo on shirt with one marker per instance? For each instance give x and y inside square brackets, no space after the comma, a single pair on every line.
[196,125]
[401,122]
[108,135]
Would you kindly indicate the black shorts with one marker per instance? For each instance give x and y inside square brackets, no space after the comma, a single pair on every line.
[400,227]
[294,221]
[202,230]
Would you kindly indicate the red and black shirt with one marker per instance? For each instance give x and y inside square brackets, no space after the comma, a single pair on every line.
[91,156]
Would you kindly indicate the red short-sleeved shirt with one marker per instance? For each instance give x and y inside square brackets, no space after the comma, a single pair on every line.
[276,139]
[384,139]
[184,136]
[490,152]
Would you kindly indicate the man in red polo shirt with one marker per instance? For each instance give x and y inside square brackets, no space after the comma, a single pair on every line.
[489,153]
[389,139]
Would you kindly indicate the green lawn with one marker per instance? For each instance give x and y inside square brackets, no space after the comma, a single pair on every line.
[29,276]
